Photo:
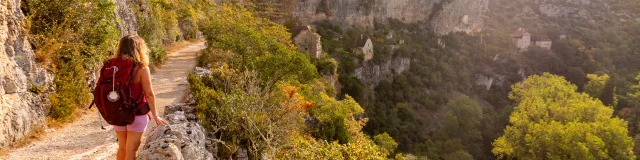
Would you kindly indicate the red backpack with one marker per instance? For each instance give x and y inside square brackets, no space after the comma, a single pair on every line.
[112,94]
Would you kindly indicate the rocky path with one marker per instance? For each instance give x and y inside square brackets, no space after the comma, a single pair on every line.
[83,139]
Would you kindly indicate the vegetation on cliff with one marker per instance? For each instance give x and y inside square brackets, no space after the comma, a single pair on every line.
[265,96]
[70,42]
[412,106]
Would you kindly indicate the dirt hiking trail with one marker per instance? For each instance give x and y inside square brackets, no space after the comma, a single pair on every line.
[83,139]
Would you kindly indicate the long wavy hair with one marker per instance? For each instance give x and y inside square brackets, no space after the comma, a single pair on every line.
[134,48]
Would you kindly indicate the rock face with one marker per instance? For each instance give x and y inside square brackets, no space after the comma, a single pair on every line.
[127,22]
[183,138]
[443,15]
[460,16]
[372,74]
[20,109]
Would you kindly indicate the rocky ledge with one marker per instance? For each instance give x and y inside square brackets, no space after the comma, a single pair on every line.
[183,138]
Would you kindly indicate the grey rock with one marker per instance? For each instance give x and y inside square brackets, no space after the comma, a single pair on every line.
[183,138]
[21,110]
[126,22]
[485,81]
[202,71]
[453,16]
[177,117]
[460,16]
[161,150]
[372,74]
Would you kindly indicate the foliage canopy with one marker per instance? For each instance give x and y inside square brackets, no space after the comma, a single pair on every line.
[554,121]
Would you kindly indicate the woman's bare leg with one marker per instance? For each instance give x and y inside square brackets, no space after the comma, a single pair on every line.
[133,143]
[122,144]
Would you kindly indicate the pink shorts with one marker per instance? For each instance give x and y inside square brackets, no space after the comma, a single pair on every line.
[138,125]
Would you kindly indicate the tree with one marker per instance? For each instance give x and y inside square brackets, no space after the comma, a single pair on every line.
[385,141]
[334,116]
[633,111]
[608,95]
[595,85]
[458,155]
[554,121]
[459,132]
[259,44]
[602,87]
[462,120]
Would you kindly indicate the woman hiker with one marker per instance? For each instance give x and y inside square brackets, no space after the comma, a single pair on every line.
[134,48]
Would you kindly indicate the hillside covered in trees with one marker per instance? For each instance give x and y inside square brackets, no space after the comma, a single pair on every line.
[441,106]
[457,98]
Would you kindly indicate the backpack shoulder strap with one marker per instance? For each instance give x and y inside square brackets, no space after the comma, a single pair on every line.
[133,73]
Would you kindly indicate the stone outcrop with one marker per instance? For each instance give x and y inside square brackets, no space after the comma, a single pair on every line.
[20,109]
[460,16]
[126,22]
[372,74]
[183,138]
[443,15]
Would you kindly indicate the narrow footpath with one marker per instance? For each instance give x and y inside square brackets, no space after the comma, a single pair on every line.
[84,139]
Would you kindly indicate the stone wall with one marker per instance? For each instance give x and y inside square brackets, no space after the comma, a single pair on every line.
[20,109]
[183,138]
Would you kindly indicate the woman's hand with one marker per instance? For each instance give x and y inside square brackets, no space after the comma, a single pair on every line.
[160,121]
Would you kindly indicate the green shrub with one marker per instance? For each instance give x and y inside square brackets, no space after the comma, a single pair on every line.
[71,91]
[326,65]
[386,142]
[245,115]
[258,44]
[157,56]
[71,42]
[333,116]
[153,32]
[188,22]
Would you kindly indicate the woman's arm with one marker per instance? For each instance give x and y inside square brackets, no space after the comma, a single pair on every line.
[147,88]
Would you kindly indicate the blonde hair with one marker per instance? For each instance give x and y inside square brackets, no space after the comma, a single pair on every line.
[134,48]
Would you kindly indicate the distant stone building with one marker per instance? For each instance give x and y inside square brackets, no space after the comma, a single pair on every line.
[306,40]
[563,36]
[522,38]
[365,46]
[543,41]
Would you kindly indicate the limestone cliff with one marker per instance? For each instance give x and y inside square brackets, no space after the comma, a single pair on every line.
[459,16]
[443,15]
[20,109]
[371,74]
[126,18]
